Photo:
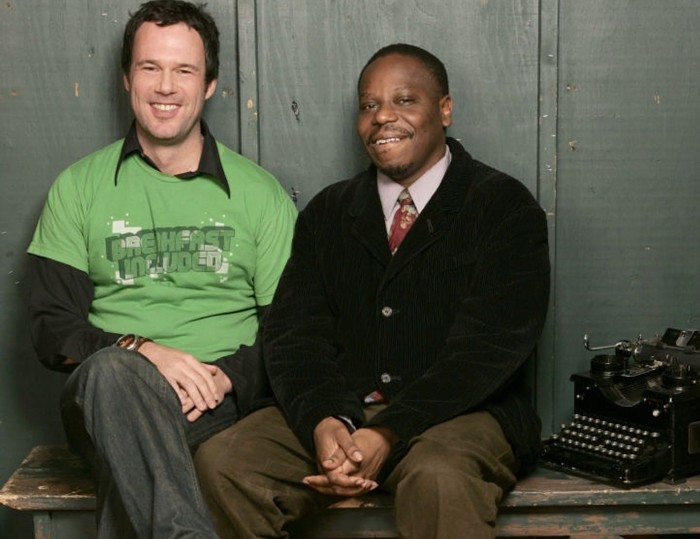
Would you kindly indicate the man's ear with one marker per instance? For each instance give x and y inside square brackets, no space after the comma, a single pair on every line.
[446,111]
[210,89]
[127,84]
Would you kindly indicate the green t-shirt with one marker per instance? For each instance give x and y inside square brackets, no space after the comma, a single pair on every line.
[175,260]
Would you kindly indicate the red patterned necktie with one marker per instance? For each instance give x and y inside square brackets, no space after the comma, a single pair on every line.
[403,220]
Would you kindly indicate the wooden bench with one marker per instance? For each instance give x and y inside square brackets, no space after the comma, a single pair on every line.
[55,486]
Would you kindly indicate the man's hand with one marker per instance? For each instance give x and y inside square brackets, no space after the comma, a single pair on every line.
[200,386]
[375,444]
[354,462]
[338,455]
[222,381]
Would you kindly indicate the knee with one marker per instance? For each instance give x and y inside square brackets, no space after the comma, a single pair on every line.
[226,457]
[229,482]
[441,476]
[109,361]
[109,373]
[251,476]
[257,454]
[429,466]
[468,448]
[433,466]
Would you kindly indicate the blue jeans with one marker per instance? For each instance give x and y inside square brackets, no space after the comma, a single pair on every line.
[123,416]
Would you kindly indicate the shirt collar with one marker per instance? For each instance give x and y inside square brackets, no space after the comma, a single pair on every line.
[209,162]
[421,190]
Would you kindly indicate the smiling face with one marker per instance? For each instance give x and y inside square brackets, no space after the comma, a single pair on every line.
[166,85]
[402,117]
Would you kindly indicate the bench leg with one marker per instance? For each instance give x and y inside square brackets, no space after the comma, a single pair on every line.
[64,525]
[42,525]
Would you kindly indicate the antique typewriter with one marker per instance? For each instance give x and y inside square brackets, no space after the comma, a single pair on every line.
[636,413]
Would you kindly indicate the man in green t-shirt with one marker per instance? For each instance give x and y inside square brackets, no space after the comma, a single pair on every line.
[152,262]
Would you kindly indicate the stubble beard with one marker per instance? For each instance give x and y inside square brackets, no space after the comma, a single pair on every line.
[397,173]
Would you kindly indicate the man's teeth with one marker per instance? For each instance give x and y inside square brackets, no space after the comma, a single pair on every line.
[165,107]
[386,140]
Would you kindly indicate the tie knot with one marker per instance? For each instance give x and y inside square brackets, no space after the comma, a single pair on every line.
[405,214]
[405,198]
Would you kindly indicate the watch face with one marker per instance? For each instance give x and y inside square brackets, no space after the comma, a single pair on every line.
[126,341]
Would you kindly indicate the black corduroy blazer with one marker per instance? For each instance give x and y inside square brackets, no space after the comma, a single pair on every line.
[442,328]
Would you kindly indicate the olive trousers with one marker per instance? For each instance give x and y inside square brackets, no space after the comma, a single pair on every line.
[447,486]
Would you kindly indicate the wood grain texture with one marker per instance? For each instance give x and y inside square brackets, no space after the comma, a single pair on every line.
[628,159]
[311,53]
[50,478]
[53,482]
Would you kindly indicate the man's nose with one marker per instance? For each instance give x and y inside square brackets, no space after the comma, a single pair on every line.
[166,83]
[385,113]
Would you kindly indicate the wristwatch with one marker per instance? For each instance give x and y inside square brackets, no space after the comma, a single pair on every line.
[130,341]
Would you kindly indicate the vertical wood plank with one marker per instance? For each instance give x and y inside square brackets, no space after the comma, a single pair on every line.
[628,158]
[548,96]
[311,53]
[248,79]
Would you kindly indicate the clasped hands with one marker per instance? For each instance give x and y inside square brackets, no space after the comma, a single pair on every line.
[348,463]
[200,386]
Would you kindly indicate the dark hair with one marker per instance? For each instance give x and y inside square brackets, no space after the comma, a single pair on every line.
[167,13]
[429,60]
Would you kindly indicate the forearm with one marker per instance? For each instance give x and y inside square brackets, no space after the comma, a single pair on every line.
[299,347]
[310,388]
[246,370]
[59,298]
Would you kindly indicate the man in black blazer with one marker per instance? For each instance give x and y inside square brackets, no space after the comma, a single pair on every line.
[401,370]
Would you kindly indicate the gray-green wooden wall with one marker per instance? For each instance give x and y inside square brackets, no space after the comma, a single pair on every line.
[593,104]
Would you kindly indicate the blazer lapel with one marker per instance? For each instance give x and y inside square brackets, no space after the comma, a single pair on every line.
[433,222]
[438,215]
[368,219]
[427,229]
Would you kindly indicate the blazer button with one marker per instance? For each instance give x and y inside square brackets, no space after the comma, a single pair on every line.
[387,312]
[385,378]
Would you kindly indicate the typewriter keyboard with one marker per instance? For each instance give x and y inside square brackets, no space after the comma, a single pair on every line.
[605,438]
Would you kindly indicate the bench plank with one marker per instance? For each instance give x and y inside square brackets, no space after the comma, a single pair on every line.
[552,488]
[50,478]
[56,485]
